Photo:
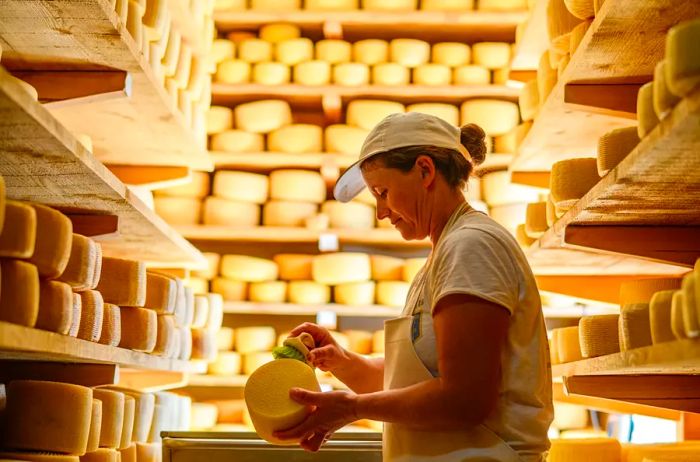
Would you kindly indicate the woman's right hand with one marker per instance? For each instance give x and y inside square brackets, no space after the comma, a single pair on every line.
[327,355]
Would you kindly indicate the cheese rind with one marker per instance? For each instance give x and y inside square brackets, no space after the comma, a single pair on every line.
[139,329]
[262,116]
[355,293]
[642,290]
[536,219]
[296,139]
[112,416]
[294,267]
[95,425]
[53,241]
[344,139]
[20,289]
[294,51]
[76,316]
[386,268]
[286,213]
[341,267]
[55,307]
[691,308]
[241,186]
[682,69]
[598,335]
[123,282]
[237,141]
[334,51]
[271,73]
[411,268]
[351,74]
[370,51]
[392,293]
[432,74]
[227,363]
[571,179]
[451,54]
[471,75]
[254,339]
[646,115]
[390,74]
[196,187]
[268,292]
[311,73]
[297,185]
[18,240]
[255,50]
[161,293]
[178,210]
[568,346]
[660,316]
[128,425]
[275,33]
[91,316]
[308,292]
[529,101]
[634,326]
[349,215]
[248,269]
[166,339]
[111,325]
[494,116]
[224,212]
[663,99]
[368,113]
[230,290]
[614,146]
[409,52]
[491,55]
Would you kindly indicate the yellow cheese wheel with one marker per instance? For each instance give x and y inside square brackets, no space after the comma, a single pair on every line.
[390,74]
[634,326]
[221,50]
[598,335]
[268,292]
[128,423]
[166,338]
[409,52]
[271,73]
[139,329]
[341,267]
[315,72]
[224,339]
[123,282]
[111,325]
[224,212]
[91,316]
[494,116]
[113,403]
[385,268]
[660,316]
[237,141]
[536,219]
[297,185]
[491,55]
[254,339]
[370,51]
[161,292]
[18,240]
[682,69]
[453,54]
[294,267]
[360,341]
[275,33]
[230,290]
[294,51]
[95,425]
[614,146]
[201,310]
[203,344]
[233,71]
[529,100]
[249,269]
[53,241]
[389,5]
[568,347]
[334,51]
[296,139]
[559,20]
[178,210]
[392,293]
[331,5]
[227,363]
[642,290]
[349,215]
[447,5]
[663,99]
[196,187]
[577,34]
[308,292]
[355,293]
[262,116]
[432,74]
[344,139]
[471,75]
[546,77]
[212,269]
[502,5]
[255,50]
[351,74]
[646,115]
[241,186]
[368,113]
[603,449]
[571,179]
[55,307]
[691,308]
[286,213]
[411,268]
[521,236]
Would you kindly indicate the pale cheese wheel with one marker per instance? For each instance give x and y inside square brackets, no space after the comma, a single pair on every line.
[275,33]
[308,292]
[294,51]
[18,240]
[634,328]
[409,52]
[212,269]
[598,335]
[349,215]
[227,363]
[123,282]
[615,146]
[432,74]
[390,74]
[255,339]
[577,34]
[312,73]
[502,5]
[255,51]
[500,76]
[663,99]
[233,71]
[536,219]
[392,293]
[230,290]
[178,210]
[471,75]
[411,268]
[197,187]
[682,68]
[497,189]
[297,185]
[378,342]
[559,20]
[240,186]
[224,212]
[677,318]
[139,329]
[221,50]
[81,263]
[360,341]
[111,325]
[341,267]
[370,51]
[91,316]
[691,308]
[76,315]
[166,338]
[385,268]
[660,316]
[216,311]
[546,77]
[390,5]
[494,116]
[271,73]
[491,55]
[582,9]
[368,113]
[238,141]
[286,213]
[334,51]
[224,339]
[128,423]
[355,293]
[237,36]
[562,450]
[218,119]
[172,52]
[95,425]
[447,112]
[331,5]
[201,310]
[646,114]
[203,416]
[53,241]
[351,74]
[529,100]
[268,292]
[161,292]
[344,139]
[113,403]
[203,344]
[571,179]
[296,139]
[293,267]
[262,116]
[248,269]
[447,5]
[453,54]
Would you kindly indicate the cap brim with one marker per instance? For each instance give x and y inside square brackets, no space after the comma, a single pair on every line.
[350,183]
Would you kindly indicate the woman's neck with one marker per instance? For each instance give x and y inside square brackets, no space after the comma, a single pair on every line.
[443,208]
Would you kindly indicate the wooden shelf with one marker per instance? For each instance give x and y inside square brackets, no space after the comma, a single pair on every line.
[468,26]
[311,97]
[25,343]
[302,310]
[185,22]
[140,127]
[622,46]
[534,40]
[42,162]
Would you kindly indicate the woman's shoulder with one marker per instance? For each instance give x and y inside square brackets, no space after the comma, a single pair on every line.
[474,227]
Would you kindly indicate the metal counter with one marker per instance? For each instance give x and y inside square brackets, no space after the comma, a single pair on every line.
[248,447]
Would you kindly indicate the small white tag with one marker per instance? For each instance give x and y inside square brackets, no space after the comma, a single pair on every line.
[328,242]
[327,319]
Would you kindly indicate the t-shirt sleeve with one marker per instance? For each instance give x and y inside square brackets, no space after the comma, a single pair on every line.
[474,262]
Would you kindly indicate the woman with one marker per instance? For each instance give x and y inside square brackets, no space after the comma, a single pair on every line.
[466,372]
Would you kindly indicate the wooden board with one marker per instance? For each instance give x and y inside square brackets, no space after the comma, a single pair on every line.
[20,342]
[624,42]
[42,162]
[468,26]
[190,27]
[145,128]
[302,310]
[534,40]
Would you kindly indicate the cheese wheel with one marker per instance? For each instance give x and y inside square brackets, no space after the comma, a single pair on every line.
[589,449]
[368,113]
[255,50]
[237,141]
[646,114]
[271,73]
[31,456]
[18,240]
[262,116]
[55,307]
[360,341]
[634,326]
[296,139]
[275,33]
[660,316]
[491,55]
[331,5]
[237,36]
[203,416]
[349,215]
[148,452]
[203,344]
[139,329]
[113,403]
[201,310]
[447,112]
[471,75]
[199,286]
[224,339]
[172,52]
[218,119]
[76,315]
[355,293]
[229,411]
[144,405]
[267,396]
[411,268]
[227,363]
[559,20]
[389,5]
[409,52]
[128,454]
[178,210]
[312,73]
[378,342]
[577,34]
[196,187]
[166,339]
[254,339]
[498,190]
[521,236]
[212,269]
[598,335]
[268,292]
[294,267]
[370,51]
[571,179]
[682,68]
[344,139]
[185,343]
[386,268]
[546,77]
[111,325]
[392,293]
[663,99]
[123,282]
[53,241]
[284,213]
[248,269]
[351,74]
[128,423]
[447,5]
[161,292]
[91,316]
[568,347]
[691,308]
[529,101]
[221,50]
[308,292]
[390,74]
[230,290]
[642,290]
[553,350]
[341,267]
[432,74]
[582,9]
[37,409]
[677,318]
[334,51]
[294,51]
[494,116]
[614,146]
[297,185]
[502,5]
[93,442]
[536,219]
[240,186]
[453,54]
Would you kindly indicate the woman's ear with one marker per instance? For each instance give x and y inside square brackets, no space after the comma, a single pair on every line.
[426,169]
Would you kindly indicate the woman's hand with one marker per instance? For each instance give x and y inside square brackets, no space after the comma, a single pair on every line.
[332,410]
[328,355]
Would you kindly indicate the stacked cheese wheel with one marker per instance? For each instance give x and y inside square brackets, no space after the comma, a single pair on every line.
[72,422]
[346,278]
[371,5]
[652,311]
[507,201]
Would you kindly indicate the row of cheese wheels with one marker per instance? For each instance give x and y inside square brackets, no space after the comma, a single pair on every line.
[372,5]
[93,424]
[652,311]
[610,450]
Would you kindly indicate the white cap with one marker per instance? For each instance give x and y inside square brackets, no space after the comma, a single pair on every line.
[398,131]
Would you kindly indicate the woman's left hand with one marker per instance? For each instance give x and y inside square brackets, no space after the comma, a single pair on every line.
[332,410]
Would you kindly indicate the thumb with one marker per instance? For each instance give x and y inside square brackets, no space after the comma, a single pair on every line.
[302,396]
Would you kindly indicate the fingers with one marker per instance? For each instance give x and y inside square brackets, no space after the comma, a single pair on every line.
[317,332]
[323,353]
[313,443]
[302,396]
[296,433]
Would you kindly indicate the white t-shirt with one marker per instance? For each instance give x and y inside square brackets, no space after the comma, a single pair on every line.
[479,257]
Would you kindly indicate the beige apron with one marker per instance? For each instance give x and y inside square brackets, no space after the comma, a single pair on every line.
[403,368]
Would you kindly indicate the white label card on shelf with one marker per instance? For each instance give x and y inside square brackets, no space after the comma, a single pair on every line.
[327,319]
[328,242]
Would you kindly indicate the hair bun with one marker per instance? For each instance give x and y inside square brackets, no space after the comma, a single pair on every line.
[472,138]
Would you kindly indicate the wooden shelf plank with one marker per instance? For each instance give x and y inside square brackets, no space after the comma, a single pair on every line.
[310,97]
[298,309]
[625,40]
[25,343]
[534,40]
[144,128]
[678,357]
[42,162]
[191,28]
[468,26]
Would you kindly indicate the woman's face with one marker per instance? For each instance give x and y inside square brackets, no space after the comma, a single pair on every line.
[402,197]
